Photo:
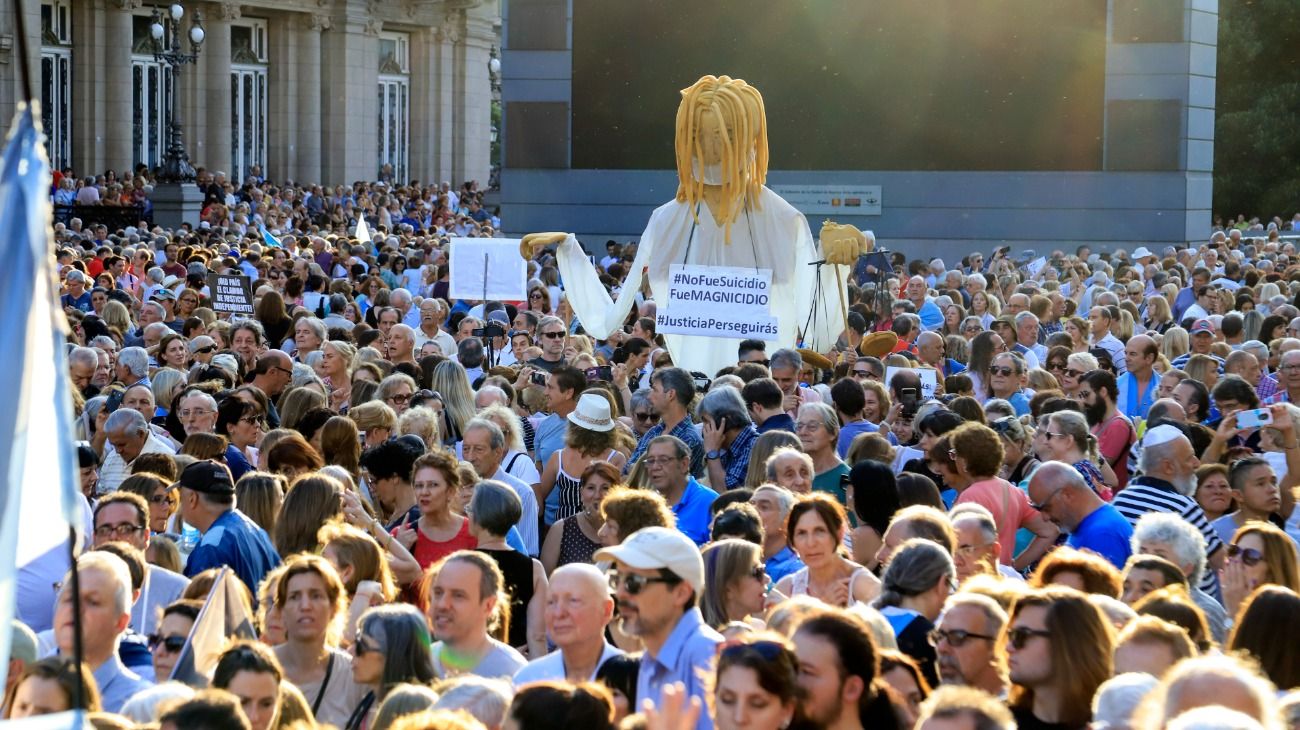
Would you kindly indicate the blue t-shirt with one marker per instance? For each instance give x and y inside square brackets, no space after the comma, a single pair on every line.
[1106,533]
[692,511]
[850,431]
[1020,402]
[81,303]
[238,542]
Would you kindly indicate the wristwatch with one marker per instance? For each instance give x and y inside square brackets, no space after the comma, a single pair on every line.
[715,454]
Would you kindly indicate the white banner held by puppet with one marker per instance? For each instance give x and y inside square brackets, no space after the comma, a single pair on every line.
[487,269]
[718,301]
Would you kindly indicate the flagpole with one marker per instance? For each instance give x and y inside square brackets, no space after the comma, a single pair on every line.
[25,78]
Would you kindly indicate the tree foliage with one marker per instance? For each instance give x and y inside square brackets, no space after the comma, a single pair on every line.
[1257,121]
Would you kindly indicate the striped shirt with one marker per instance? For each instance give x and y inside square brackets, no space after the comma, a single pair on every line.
[1147,494]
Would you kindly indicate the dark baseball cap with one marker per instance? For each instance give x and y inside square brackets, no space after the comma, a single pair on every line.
[208,477]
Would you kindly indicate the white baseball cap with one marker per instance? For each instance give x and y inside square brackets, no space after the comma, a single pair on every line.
[659,547]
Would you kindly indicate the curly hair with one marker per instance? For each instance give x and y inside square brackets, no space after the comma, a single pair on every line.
[634,509]
[981,448]
[1097,574]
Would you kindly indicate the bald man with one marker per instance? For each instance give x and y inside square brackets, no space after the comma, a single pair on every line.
[1137,387]
[931,349]
[579,606]
[1060,492]
[931,317]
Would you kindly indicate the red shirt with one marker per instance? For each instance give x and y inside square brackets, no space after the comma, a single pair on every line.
[1113,440]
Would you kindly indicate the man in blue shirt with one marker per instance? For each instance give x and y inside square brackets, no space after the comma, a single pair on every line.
[658,576]
[773,504]
[1059,491]
[667,461]
[228,536]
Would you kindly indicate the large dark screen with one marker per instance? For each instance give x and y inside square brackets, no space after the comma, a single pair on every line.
[850,84]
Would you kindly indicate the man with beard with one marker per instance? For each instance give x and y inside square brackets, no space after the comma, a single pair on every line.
[657,577]
[837,670]
[966,642]
[1098,394]
[1167,481]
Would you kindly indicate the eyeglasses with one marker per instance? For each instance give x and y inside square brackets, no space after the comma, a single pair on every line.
[1290,368]
[170,644]
[205,350]
[956,638]
[658,460]
[160,498]
[1249,556]
[1021,635]
[966,551]
[1004,372]
[122,529]
[1046,502]
[399,399]
[1074,373]
[647,416]
[195,412]
[1050,434]
[535,295]
[972,328]
[869,374]
[250,420]
[553,335]
[633,583]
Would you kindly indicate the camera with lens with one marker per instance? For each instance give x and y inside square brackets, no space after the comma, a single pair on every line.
[491,329]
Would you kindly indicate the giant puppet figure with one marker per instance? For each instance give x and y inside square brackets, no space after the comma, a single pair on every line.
[723,215]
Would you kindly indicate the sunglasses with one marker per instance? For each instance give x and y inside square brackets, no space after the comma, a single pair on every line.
[1074,373]
[759,573]
[1249,556]
[553,335]
[1056,366]
[956,638]
[1020,636]
[205,350]
[647,416]
[171,644]
[361,646]
[399,399]
[1001,371]
[633,583]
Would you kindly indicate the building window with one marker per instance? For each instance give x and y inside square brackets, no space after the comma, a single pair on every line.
[150,96]
[248,98]
[394,105]
[56,81]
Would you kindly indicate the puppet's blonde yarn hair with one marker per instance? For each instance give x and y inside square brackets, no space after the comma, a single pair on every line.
[739,107]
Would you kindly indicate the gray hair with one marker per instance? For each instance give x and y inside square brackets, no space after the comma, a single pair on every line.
[1215,717]
[1151,456]
[770,465]
[83,356]
[399,295]
[640,398]
[512,430]
[496,438]
[550,320]
[126,421]
[830,421]
[113,566]
[977,278]
[995,616]
[251,325]
[978,513]
[495,507]
[1118,698]
[486,699]
[207,399]
[1025,317]
[916,567]
[317,327]
[101,341]
[998,406]
[725,403]
[135,360]
[786,358]
[784,497]
[157,308]
[1186,542]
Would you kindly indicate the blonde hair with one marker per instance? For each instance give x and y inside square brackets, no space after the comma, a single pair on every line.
[743,126]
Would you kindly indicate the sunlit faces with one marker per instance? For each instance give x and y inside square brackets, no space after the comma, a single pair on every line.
[792,471]
[576,609]
[307,610]
[39,696]
[813,540]
[432,492]
[102,619]
[655,608]
[259,696]
[741,702]
[457,610]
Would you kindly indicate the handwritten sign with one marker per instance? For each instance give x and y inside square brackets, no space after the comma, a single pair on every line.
[718,301]
[231,293]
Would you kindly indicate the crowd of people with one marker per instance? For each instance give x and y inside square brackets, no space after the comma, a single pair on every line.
[1052,492]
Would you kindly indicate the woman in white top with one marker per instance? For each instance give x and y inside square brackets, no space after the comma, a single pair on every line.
[816,527]
[312,602]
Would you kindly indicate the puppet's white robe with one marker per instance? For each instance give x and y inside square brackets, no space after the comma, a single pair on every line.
[773,235]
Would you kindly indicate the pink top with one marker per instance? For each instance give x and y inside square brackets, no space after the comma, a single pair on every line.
[1010,508]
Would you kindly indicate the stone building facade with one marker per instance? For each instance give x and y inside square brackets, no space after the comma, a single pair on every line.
[310,90]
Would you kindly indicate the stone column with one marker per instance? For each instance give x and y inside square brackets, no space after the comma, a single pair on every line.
[473,103]
[446,37]
[87,63]
[282,89]
[307,120]
[215,148]
[349,105]
[425,46]
[114,114]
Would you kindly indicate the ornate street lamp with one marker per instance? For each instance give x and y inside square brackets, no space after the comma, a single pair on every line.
[166,31]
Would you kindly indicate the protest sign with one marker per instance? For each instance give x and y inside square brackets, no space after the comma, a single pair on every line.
[231,293]
[929,379]
[487,269]
[718,301]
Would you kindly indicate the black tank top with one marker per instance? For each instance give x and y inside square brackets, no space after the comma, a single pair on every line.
[518,571]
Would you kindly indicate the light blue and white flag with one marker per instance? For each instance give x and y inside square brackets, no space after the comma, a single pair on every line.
[268,239]
[39,494]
